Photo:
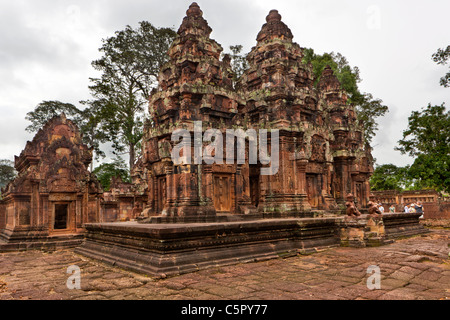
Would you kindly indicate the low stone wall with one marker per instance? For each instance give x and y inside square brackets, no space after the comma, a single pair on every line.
[176,249]
[23,238]
[363,231]
[403,224]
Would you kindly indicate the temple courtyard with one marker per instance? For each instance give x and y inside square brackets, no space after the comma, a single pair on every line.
[414,268]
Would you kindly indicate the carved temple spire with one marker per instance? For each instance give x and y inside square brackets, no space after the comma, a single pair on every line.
[193,56]
[329,81]
[278,61]
[194,23]
[274,28]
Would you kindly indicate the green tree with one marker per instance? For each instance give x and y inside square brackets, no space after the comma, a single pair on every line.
[7,172]
[367,107]
[106,171]
[427,139]
[239,61]
[93,136]
[441,57]
[47,110]
[390,177]
[129,67]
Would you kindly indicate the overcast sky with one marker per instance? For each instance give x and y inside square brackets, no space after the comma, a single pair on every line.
[46,49]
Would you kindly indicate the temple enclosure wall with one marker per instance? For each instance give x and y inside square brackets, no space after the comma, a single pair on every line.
[434,206]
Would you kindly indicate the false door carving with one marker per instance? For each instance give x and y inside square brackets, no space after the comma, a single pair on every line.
[222,193]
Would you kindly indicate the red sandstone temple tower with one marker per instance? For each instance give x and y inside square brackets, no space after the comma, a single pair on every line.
[195,85]
[54,193]
[322,156]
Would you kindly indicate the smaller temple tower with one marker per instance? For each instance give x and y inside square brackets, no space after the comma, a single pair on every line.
[353,162]
[54,194]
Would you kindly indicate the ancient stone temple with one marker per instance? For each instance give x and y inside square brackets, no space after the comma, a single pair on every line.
[322,156]
[54,194]
[195,85]
[209,204]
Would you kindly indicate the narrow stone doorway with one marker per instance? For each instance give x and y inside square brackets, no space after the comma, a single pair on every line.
[61,217]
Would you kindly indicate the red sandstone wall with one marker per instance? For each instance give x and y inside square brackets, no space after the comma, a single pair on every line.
[437,210]
[126,209]
[2,216]
[109,212]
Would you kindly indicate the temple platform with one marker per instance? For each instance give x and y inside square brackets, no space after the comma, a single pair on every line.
[49,243]
[171,249]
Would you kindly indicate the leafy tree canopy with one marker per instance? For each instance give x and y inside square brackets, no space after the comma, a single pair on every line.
[129,67]
[239,61]
[7,172]
[47,110]
[441,57]
[106,171]
[367,107]
[390,177]
[427,138]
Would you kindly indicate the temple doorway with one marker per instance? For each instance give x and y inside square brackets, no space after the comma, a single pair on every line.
[222,193]
[61,216]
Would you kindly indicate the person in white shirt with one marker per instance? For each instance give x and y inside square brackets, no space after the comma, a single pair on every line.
[380,206]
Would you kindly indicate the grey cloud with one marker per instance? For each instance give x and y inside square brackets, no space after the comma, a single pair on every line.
[22,43]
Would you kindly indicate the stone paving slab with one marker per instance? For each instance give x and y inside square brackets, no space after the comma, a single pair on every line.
[416,268]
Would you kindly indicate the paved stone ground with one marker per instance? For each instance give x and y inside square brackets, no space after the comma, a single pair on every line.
[413,268]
